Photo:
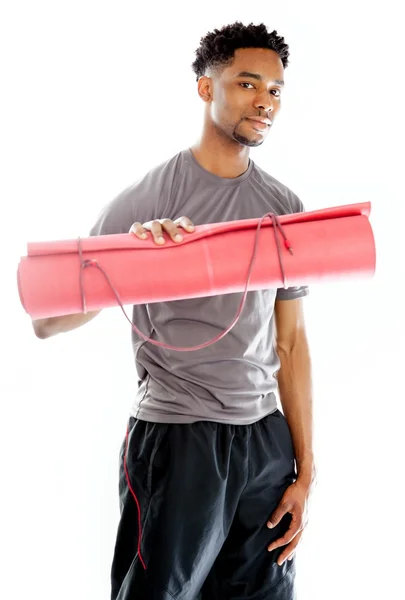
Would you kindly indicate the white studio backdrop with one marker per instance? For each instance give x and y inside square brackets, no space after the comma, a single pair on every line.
[94,95]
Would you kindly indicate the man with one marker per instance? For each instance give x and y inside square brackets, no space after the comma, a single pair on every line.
[214,478]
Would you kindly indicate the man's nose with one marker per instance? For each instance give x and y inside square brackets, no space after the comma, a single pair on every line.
[265,102]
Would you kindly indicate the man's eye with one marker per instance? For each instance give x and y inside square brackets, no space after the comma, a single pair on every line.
[274,92]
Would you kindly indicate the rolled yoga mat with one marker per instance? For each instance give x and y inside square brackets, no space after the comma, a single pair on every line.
[320,246]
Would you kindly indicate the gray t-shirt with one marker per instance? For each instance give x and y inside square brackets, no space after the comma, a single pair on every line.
[233,380]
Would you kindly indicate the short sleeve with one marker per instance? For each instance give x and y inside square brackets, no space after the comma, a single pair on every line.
[116,217]
[292,293]
[142,201]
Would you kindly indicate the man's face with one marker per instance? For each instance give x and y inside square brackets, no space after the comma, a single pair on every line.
[236,95]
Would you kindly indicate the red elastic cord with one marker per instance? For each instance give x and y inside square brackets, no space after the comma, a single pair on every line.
[95,263]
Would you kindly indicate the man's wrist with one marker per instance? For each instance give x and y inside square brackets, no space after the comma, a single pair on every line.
[306,471]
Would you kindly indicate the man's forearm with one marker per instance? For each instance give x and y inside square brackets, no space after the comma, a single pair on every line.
[295,386]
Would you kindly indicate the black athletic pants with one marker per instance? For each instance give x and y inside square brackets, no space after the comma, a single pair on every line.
[194,501]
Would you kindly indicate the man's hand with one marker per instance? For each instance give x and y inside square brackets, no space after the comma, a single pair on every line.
[157,227]
[295,501]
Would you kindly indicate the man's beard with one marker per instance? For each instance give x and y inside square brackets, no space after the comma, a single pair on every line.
[246,141]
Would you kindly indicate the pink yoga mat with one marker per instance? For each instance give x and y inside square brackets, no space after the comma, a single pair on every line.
[326,245]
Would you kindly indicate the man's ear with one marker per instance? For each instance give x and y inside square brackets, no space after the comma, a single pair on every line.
[205,88]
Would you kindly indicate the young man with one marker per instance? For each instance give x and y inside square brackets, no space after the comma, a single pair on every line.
[214,479]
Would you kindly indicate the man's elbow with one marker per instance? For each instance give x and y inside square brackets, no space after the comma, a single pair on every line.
[40,332]
[298,341]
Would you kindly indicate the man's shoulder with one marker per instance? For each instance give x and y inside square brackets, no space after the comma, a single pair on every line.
[271,180]
[286,195]
[155,177]
[139,201]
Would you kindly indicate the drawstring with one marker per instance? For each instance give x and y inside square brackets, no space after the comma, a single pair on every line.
[95,263]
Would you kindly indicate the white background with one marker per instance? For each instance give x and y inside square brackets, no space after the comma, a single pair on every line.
[94,94]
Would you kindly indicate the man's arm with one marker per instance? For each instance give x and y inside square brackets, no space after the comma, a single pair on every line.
[45,328]
[295,384]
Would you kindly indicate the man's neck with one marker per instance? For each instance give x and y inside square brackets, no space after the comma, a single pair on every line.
[228,162]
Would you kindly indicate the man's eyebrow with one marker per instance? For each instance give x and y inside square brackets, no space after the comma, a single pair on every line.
[258,77]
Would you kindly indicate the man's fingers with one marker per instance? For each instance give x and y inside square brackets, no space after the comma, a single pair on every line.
[138,230]
[173,230]
[158,226]
[282,509]
[155,227]
[293,530]
[185,223]
[289,551]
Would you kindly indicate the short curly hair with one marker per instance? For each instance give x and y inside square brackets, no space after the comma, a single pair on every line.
[217,49]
